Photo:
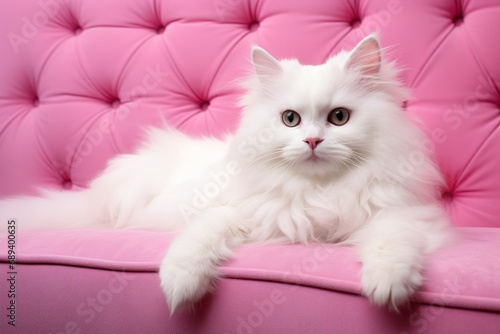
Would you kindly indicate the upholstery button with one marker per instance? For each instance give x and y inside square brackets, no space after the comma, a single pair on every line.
[355,22]
[204,105]
[447,196]
[115,103]
[36,102]
[77,30]
[67,184]
[161,30]
[458,20]
[253,26]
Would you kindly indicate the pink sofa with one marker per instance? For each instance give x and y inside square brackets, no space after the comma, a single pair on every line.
[79,80]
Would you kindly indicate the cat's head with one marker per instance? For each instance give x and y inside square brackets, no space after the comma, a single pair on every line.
[319,120]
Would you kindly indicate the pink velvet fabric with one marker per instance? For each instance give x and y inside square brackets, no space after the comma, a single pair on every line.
[106,281]
[79,80]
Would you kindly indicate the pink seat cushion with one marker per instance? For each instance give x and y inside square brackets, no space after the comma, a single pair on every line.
[464,276]
[80,80]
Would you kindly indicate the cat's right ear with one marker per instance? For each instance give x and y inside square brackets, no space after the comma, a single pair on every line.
[265,65]
[366,56]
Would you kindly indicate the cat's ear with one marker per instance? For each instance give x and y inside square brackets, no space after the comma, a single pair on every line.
[366,56]
[265,65]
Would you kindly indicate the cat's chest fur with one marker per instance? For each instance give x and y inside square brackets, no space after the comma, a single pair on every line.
[299,211]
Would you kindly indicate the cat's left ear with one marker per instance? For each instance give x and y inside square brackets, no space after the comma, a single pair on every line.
[366,56]
[265,65]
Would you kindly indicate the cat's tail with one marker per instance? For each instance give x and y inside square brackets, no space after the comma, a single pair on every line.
[52,210]
[159,187]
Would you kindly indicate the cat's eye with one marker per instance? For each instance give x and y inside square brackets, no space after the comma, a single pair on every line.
[338,116]
[290,118]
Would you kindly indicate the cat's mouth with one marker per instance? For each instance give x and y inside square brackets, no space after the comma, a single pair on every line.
[313,158]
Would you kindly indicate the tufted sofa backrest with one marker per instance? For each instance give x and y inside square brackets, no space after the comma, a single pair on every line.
[80,79]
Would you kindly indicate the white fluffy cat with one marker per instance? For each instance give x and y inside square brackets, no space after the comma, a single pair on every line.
[318,157]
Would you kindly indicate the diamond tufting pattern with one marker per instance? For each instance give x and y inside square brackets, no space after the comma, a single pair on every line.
[81,79]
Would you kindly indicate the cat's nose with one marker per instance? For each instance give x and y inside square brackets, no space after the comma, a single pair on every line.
[313,142]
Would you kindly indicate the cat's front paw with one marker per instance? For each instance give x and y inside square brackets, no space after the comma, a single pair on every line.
[390,283]
[185,281]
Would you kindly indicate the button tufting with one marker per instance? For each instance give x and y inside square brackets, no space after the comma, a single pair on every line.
[447,196]
[254,25]
[77,30]
[115,103]
[204,105]
[458,20]
[161,29]
[67,184]
[355,22]
[36,102]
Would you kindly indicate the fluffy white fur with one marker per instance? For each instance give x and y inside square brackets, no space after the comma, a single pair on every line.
[266,184]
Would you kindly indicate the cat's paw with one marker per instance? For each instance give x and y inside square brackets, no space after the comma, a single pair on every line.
[390,283]
[185,281]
